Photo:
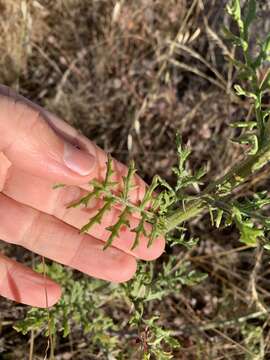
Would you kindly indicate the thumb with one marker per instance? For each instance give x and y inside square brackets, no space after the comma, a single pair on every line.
[30,144]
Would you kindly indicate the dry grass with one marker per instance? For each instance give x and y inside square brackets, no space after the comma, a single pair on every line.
[129,74]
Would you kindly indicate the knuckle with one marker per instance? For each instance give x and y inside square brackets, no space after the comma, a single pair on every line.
[4,170]
[30,232]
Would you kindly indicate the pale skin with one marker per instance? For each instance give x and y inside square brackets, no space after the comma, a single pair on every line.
[38,150]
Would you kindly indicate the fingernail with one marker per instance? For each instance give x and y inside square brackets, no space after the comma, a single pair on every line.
[77,160]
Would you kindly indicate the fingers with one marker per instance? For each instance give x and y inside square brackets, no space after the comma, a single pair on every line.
[38,193]
[50,237]
[23,285]
[28,141]
[31,144]
[4,167]
[68,132]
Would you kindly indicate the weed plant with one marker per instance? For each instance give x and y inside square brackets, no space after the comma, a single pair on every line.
[167,208]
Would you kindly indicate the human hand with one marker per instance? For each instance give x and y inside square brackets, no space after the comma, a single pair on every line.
[38,150]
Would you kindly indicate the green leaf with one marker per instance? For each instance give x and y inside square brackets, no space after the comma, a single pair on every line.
[241,92]
[234,9]
[266,48]
[127,180]
[249,235]
[115,229]
[235,40]
[219,217]
[96,219]
[148,196]
[249,139]
[249,17]
[250,125]
[109,172]
[85,199]
[139,231]
[267,246]
[182,240]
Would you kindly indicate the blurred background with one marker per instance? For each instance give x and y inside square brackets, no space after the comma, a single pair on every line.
[129,74]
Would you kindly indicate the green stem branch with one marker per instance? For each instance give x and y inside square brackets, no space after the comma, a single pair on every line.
[239,173]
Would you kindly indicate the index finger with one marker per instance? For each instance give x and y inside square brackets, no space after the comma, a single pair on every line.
[71,135]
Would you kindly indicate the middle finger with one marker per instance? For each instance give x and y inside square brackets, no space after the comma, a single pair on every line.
[38,193]
[52,238]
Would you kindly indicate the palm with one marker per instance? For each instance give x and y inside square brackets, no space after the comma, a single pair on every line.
[31,161]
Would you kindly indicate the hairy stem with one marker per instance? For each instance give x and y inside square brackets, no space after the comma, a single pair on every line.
[234,177]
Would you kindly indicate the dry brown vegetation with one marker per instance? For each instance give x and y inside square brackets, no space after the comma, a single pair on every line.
[129,74]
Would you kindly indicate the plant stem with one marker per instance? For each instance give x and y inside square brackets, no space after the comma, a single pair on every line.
[239,173]
[181,215]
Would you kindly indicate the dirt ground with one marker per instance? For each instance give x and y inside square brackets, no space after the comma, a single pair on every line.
[129,74]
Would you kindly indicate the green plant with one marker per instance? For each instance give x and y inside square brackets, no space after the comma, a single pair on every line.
[173,205]
[82,304]
[167,211]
